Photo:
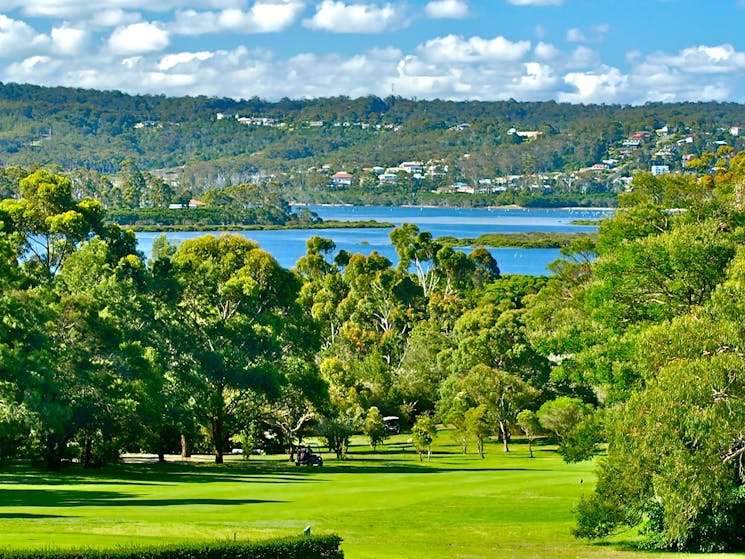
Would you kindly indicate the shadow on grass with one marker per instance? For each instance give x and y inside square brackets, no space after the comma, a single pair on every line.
[28,515]
[155,474]
[248,472]
[380,466]
[66,498]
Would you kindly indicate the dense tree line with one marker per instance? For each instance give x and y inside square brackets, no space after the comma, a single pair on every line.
[92,133]
[635,341]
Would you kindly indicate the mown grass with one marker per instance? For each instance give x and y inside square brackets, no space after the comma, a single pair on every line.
[384,504]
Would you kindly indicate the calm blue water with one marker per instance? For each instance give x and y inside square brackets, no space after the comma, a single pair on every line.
[288,246]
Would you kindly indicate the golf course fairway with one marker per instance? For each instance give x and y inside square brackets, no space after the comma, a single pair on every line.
[384,504]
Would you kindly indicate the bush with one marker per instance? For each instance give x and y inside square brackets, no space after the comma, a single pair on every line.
[308,547]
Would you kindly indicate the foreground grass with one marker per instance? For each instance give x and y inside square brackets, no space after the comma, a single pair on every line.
[384,504]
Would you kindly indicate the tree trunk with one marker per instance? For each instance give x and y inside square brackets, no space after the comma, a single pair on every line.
[51,452]
[87,451]
[530,447]
[217,426]
[505,433]
[184,448]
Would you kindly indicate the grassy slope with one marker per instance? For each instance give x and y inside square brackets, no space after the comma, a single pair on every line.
[386,504]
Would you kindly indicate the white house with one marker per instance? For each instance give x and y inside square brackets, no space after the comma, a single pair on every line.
[342,179]
[412,167]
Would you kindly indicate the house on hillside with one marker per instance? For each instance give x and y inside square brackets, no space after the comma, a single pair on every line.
[412,167]
[387,178]
[342,179]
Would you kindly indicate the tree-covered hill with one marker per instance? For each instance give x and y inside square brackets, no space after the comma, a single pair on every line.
[96,130]
[152,151]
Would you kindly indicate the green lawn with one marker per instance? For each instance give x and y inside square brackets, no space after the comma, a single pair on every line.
[384,504]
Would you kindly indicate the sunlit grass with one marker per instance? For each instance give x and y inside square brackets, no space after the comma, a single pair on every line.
[384,504]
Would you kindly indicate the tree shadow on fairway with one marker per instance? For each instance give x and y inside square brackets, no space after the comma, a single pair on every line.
[72,498]
[29,515]
[154,474]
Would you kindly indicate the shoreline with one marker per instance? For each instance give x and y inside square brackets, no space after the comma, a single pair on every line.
[434,207]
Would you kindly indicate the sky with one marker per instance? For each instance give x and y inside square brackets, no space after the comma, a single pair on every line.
[576,51]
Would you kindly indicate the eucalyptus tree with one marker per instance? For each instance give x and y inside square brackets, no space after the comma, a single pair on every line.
[47,223]
[234,319]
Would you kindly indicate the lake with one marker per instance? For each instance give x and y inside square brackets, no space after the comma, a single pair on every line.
[288,246]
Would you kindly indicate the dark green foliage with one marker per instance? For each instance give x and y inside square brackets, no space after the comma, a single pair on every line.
[308,547]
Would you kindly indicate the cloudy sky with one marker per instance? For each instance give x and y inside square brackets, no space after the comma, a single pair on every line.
[579,51]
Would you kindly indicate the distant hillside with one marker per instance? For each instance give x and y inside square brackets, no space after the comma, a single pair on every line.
[198,143]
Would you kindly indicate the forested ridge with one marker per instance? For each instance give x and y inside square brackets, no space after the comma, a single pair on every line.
[195,144]
[635,342]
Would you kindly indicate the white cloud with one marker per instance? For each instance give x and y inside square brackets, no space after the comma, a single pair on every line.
[581,57]
[446,9]
[262,17]
[703,59]
[69,40]
[170,61]
[537,78]
[453,48]
[575,35]
[536,2]
[592,34]
[147,57]
[339,17]
[546,51]
[19,38]
[605,85]
[82,9]
[138,38]
[114,17]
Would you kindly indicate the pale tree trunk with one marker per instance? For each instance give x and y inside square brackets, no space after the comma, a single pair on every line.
[504,431]
[184,448]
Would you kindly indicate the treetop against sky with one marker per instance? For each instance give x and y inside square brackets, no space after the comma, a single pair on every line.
[576,51]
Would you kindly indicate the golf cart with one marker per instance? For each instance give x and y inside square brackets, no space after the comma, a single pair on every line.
[307,457]
[391,424]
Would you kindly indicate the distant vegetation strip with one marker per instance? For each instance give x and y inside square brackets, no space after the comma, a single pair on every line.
[260,227]
[585,221]
[227,219]
[518,240]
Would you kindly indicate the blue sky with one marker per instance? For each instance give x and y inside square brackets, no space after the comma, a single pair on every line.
[578,51]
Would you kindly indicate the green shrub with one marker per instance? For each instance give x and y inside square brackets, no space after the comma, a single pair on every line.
[308,547]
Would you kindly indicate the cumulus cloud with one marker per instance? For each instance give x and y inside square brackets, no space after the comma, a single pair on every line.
[18,38]
[261,17]
[446,9]
[170,61]
[138,38]
[113,47]
[340,17]
[703,59]
[69,40]
[546,51]
[605,85]
[453,48]
[114,17]
[82,9]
